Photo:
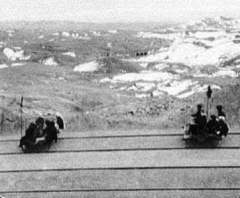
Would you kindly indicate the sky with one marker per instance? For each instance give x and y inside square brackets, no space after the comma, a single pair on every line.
[102,11]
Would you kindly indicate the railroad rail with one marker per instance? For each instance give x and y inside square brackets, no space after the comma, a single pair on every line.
[113,164]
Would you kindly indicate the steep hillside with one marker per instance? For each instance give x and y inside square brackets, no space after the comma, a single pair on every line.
[149,77]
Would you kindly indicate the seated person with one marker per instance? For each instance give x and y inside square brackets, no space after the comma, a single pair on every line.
[29,140]
[199,120]
[223,127]
[221,113]
[59,121]
[39,126]
[199,112]
[212,125]
[50,132]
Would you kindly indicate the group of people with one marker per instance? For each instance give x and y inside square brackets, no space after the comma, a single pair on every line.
[215,126]
[42,132]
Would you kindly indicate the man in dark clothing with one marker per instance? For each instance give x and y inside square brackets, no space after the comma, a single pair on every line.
[212,125]
[223,127]
[220,111]
[39,126]
[202,122]
[199,111]
[30,137]
[60,122]
[50,132]
[199,120]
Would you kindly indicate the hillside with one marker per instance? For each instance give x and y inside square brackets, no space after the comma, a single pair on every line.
[121,77]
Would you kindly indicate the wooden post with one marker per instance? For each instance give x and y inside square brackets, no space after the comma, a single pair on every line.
[2,116]
[209,94]
[21,112]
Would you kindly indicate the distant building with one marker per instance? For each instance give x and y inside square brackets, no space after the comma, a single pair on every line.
[141,53]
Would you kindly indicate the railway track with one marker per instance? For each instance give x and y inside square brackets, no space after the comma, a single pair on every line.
[122,164]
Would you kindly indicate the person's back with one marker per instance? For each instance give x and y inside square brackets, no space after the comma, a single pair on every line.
[39,126]
[30,131]
[30,136]
[199,120]
[223,127]
[202,122]
[50,132]
[221,113]
[212,125]
[60,121]
[198,115]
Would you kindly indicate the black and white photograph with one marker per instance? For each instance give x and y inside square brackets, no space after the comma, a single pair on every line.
[119,99]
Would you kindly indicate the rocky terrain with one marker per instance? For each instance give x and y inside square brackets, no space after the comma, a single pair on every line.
[118,75]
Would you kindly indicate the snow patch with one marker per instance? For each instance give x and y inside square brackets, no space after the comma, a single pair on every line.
[215,87]
[2,44]
[192,53]
[105,80]
[197,89]
[2,66]
[65,34]
[144,76]
[157,93]
[186,94]
[176,87]
[75,35]
[96,33]
[84,37]
[144,87]
[221,73]
[113,31]
[169,36]
[132,88]
[17,64]
[55,34]
[87,67]
[208,34]
[161,66]
[17,48]
[109,45]
[50,61]
[141,95]
[14,55]
[144,65]
[181,71]
[225,72]
[72,54]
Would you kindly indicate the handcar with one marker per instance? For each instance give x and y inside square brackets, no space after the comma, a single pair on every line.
[194,133]
[40,145]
